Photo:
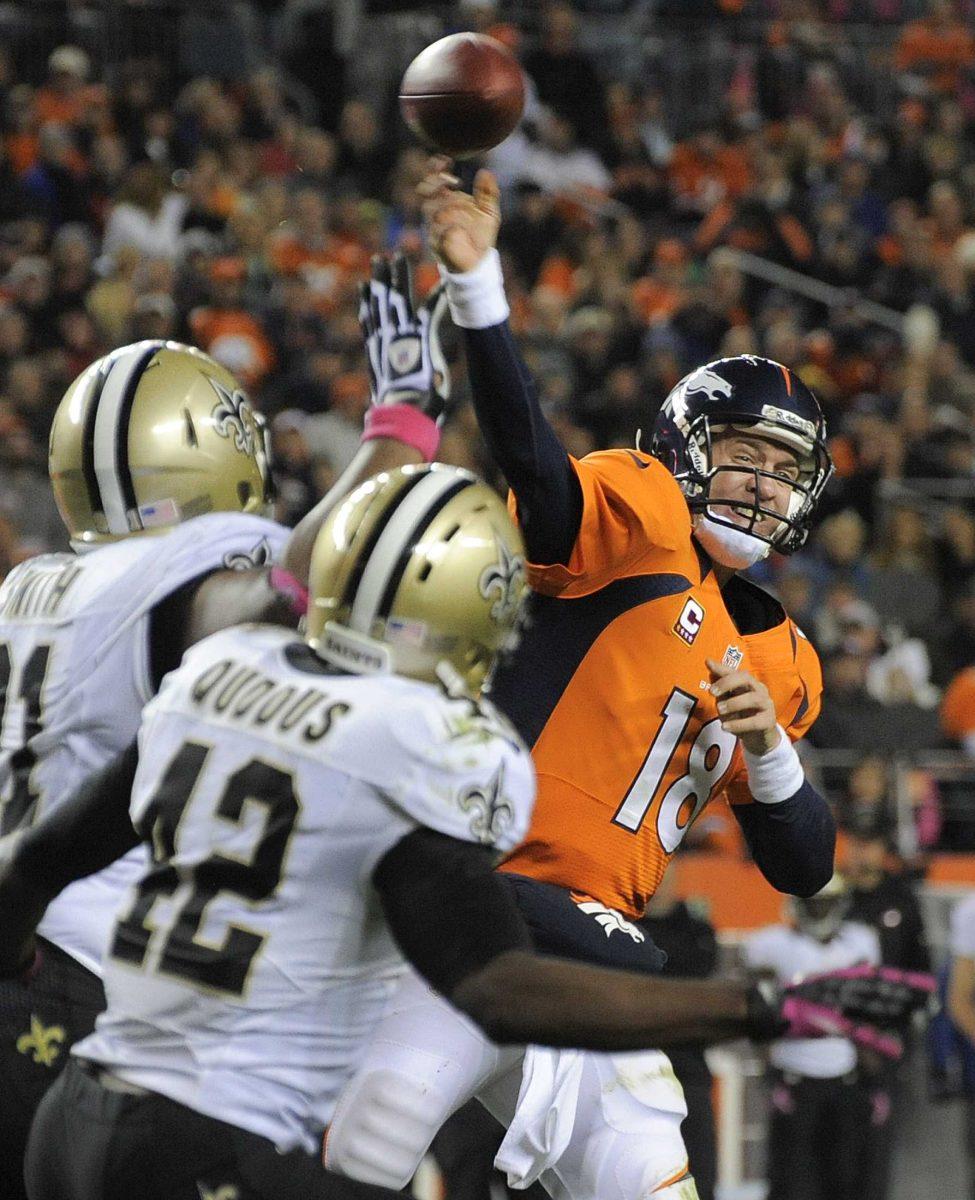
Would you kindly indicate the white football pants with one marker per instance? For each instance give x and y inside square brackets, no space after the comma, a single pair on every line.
[589,1126]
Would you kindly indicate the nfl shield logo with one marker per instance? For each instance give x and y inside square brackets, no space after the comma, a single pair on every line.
[732,658]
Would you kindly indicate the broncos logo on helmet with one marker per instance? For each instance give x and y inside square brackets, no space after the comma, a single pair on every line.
[764,398]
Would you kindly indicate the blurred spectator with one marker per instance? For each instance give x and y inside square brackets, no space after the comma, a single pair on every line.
[227,331]
[55,185]
[888,905]
[885,901]
[903,586]
[853,719]
[565,77]
[817,1116]
[961,1010]
[61,100]
[146,216]
[335,435]
[293,467]
[938,50]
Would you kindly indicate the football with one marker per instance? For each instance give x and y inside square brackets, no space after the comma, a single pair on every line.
[463,94]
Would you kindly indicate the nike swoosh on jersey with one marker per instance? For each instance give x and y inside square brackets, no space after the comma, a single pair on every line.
[639,461]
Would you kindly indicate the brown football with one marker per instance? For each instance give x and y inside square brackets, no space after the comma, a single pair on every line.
[463,95]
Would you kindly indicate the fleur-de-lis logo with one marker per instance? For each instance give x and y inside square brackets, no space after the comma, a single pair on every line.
[260,555]
[490,813]
[233,416]
[43,1043]
[503,580]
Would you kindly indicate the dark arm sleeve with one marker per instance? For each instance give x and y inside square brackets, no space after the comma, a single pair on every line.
[79,837]
[524,445]
[449,912]
[793,842]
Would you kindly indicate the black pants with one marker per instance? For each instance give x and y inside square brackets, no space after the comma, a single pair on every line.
[38,1023]
[698,1133]
[880,1104]
[89,1142]
[816,1138]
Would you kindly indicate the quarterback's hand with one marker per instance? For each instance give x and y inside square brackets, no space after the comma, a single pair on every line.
[745,707]
[868,1005]
[406,359]
[461,227]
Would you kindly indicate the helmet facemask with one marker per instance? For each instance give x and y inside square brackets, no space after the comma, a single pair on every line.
[702,481]
[820,916]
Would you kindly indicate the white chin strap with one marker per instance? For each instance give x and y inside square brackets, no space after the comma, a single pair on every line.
[730,547]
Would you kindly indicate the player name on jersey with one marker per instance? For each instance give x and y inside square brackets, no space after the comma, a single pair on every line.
[243,695]
[39,590]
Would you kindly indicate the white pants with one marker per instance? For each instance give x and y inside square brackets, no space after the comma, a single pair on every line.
[589,1126]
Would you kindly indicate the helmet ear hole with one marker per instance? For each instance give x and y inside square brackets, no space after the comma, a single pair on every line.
[243,493]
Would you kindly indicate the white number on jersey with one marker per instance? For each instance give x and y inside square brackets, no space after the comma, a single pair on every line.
[23,683]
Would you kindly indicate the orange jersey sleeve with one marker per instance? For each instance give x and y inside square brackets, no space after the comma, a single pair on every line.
[630,503]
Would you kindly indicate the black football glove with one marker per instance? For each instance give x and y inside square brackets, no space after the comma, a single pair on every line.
[866,1004]
[406,360]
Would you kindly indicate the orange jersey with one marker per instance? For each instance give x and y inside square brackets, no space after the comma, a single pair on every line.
[612,692]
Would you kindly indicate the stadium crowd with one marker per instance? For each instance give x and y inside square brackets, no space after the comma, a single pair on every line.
[232,195]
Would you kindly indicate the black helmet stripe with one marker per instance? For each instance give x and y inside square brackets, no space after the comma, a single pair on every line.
[111,435]
[396,575]
[88,442]
[362,558]
[402,528]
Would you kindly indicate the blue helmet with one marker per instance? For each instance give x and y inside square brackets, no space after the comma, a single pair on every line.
[752,394]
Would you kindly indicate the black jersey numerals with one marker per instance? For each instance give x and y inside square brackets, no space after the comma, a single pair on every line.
[220,962]
[18,802]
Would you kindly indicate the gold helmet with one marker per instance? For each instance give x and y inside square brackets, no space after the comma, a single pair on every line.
[416,567]
[151,435]
[821,915]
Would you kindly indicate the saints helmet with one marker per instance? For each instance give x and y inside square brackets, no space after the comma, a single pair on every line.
[820,916]
[417,567]
[150,435]
[754,395]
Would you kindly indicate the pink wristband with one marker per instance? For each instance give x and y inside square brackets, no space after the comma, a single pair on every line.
[284,582]
[406,424]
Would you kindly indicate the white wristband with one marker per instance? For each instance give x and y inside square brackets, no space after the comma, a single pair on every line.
[777,775]
[476,298]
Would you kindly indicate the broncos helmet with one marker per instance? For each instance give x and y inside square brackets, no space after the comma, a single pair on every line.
[762,397]
[415,567]
[150,435]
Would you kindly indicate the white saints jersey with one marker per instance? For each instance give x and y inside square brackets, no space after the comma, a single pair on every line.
[251,964]
[75,674]
[792,955]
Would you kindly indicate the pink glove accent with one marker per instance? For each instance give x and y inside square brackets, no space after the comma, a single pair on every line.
[284,582]
[406,424]
[818,1020]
